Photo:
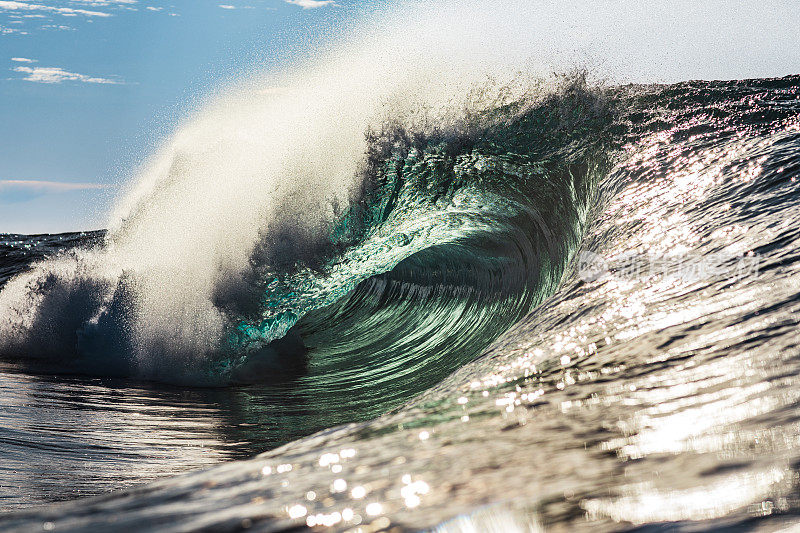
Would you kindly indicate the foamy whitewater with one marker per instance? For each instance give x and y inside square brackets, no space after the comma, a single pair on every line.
[446,288]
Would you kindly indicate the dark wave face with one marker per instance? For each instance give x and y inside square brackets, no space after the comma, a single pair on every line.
[575,309]
[517,209]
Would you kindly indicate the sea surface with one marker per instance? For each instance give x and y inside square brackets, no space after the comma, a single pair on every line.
[573,310]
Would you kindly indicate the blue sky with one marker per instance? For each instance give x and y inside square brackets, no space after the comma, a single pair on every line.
[89,88]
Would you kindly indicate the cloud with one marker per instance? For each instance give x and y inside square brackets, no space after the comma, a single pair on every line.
[14,191]
[9,31]
[58,75]
[66,11]
[23,60]
[226,6]
[311,4]
[100,3]
[49,186]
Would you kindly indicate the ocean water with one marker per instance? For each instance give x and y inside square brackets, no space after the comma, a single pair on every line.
[574,308]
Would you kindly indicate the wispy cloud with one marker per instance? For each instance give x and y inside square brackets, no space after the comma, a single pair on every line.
[311,4]
[23,60]
[57,27]
[16,191]
[100,3]
[9,31]
[58,75]
[227,6]
[49,186]
[66,11]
